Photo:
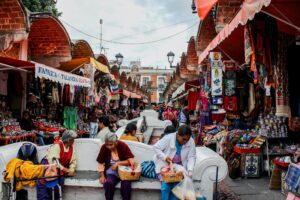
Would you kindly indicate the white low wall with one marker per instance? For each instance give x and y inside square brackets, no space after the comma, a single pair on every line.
[204,174]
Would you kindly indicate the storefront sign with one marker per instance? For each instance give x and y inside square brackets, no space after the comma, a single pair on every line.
[43,71]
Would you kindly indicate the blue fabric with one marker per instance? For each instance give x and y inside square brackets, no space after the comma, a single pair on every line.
[182,117]
[178,147]
[166,191]
[148,169]
[110,171]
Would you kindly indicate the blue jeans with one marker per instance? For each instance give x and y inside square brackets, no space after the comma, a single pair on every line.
[94,129]
[166,191]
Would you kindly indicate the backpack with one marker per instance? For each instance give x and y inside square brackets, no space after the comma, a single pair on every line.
[148,169]
[28,152]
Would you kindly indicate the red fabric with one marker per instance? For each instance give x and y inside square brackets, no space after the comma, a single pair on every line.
[204,6]
[104,155]
[230,103]
[192,100]
[65,157]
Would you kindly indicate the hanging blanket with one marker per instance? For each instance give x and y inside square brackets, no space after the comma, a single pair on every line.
[282,94]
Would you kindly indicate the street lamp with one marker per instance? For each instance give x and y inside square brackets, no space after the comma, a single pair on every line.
[193,6]
[171,56]
[119,59]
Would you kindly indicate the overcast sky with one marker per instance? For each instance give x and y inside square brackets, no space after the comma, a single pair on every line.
[126,21]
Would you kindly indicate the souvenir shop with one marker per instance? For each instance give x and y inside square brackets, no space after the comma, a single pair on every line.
[13,78]
[55,99]
[253,107]
[248,102]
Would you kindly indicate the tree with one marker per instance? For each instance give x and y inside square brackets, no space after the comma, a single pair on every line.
[42,6]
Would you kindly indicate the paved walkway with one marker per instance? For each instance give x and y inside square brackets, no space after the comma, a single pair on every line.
[248,189]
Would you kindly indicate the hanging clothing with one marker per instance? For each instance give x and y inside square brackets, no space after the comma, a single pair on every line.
[192,100]
[66,95]
[55,95]
[230,103]
[70,118]
[3,83]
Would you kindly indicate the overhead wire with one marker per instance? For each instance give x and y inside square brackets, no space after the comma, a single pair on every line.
[130,43]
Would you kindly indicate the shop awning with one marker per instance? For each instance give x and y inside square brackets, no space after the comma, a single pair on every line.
[56,75]
[10,63]
[74,64]
[185,87]
[284,11]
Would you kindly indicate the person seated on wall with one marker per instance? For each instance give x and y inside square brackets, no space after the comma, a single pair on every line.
[169,129]
[130,133]
[104,127]
[64,151]
[114,153]
[178,148]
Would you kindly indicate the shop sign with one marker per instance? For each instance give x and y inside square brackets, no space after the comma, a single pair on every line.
[55,75]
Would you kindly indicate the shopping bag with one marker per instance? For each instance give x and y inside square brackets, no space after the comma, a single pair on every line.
[185,189]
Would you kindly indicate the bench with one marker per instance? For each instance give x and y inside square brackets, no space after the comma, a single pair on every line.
[86,185]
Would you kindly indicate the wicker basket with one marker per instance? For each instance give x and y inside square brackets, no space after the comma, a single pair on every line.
[126,173]
[172,176]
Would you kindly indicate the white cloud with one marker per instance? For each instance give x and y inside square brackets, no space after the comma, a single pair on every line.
[131,18]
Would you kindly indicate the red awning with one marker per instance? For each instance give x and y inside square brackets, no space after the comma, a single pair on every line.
[285,11]
[10,62]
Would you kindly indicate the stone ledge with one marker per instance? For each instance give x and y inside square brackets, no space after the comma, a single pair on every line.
[91,179]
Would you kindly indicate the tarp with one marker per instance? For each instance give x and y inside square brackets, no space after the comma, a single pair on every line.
[10,62]
[78,62]
[285,11]
[185,86]
[56,75]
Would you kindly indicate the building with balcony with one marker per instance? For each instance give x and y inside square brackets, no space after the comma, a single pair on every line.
[152,79]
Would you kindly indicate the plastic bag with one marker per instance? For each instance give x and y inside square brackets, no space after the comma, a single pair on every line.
[185,189]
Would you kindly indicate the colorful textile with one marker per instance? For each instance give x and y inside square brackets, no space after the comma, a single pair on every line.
[70,118]
[148,169]
[292,177]
[230,103]
[192,100]
[21,169]
[282,91]
[216,81]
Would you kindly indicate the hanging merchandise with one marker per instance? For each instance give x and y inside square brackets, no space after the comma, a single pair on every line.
[247,45]
[89,72]
[70,118]
[193,97]
[230,103]
[282,91]
[216,81]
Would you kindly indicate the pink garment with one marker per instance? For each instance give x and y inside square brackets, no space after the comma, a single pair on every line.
[204,100]
[291,196]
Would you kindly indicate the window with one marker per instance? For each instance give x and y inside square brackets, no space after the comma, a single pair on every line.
[161,80]
[145,80]
[160,97]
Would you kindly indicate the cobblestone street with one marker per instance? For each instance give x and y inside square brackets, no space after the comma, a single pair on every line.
[248,189]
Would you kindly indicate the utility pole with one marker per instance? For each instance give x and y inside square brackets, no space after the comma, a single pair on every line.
[101,22]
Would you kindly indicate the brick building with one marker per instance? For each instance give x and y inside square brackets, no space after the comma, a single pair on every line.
[152,79]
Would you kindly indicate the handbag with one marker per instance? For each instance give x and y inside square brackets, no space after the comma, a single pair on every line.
[148,169]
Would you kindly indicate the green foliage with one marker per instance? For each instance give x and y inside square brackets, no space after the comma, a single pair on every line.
[42,6]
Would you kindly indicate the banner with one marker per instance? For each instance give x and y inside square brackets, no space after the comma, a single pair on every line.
[55,75]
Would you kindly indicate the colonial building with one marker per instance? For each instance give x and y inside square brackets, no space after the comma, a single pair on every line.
[152,79]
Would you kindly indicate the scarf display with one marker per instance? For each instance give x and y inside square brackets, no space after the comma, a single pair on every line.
[282,92]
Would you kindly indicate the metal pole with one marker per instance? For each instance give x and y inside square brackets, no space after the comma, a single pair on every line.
[216,188]
[101,22]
